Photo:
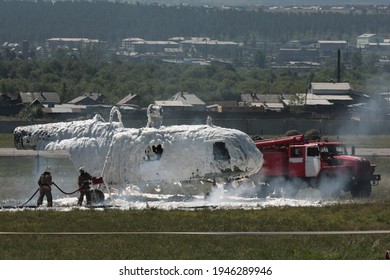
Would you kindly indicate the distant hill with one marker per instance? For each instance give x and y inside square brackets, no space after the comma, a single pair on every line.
[37,21]
[269,2]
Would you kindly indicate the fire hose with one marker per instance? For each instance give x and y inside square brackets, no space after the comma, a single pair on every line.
[22,205]
[28,199]
[66,192]
[97,196]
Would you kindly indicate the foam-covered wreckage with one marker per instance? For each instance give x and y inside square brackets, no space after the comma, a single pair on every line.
[150,155]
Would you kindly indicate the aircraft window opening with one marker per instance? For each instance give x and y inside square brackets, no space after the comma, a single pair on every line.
[158,150]
[153,152]
[220,151]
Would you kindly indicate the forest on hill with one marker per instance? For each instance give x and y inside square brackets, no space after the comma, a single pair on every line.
[268,2]
[112,22]
[72,76]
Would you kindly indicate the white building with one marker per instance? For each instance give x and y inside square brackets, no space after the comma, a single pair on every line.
[366,39]
[70,43]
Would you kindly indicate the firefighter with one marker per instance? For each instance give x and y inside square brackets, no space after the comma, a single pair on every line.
[84,182]
[45,181]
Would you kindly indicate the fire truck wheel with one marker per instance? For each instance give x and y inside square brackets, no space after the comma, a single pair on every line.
[97,196]
[363,189]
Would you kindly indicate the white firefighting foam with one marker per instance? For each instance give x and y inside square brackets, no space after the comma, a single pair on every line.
[16,191]
[131,199]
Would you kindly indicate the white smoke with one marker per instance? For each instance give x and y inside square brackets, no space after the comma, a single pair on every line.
[332,186]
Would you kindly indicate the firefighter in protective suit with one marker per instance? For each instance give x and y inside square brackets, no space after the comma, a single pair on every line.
[84,182]
[45,181]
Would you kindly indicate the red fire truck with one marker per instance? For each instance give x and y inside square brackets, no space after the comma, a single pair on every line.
[293,162]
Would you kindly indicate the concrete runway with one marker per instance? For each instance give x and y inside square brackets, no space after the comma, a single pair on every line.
[12,152]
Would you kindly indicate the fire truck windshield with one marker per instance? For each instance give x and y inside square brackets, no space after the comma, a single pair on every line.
[334,149]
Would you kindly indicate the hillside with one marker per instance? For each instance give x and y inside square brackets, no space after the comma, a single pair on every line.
[113,22]
[271,2]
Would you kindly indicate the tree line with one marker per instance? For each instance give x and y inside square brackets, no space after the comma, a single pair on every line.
[112,22]
[72,76]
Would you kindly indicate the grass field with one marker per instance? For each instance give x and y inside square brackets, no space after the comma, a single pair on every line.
[83,241]
[6,141]
[357,216]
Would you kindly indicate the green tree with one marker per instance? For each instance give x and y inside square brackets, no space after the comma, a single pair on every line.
[259,59]
[356,59]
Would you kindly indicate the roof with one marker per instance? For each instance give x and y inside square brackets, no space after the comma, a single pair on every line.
[316,99]
[327,88]
[64,108]
[72,40]
[256,98]
[82,99]
[318,102]
[127,98]
[269,106]
[302,99]
[42,97]
[331,42]
[173,50]
[176,39]
[207,41]
[156,43]
[287,96]
[336,97]
[366,35]
[95,96]
[132,39]
[171,103]
[379,44]
[188,98]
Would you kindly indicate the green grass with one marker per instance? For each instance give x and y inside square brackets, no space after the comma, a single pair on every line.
[337,217]
[6,140]
[356,216]
[150,247]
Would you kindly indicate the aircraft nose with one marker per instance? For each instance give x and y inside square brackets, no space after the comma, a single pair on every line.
[18,139]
